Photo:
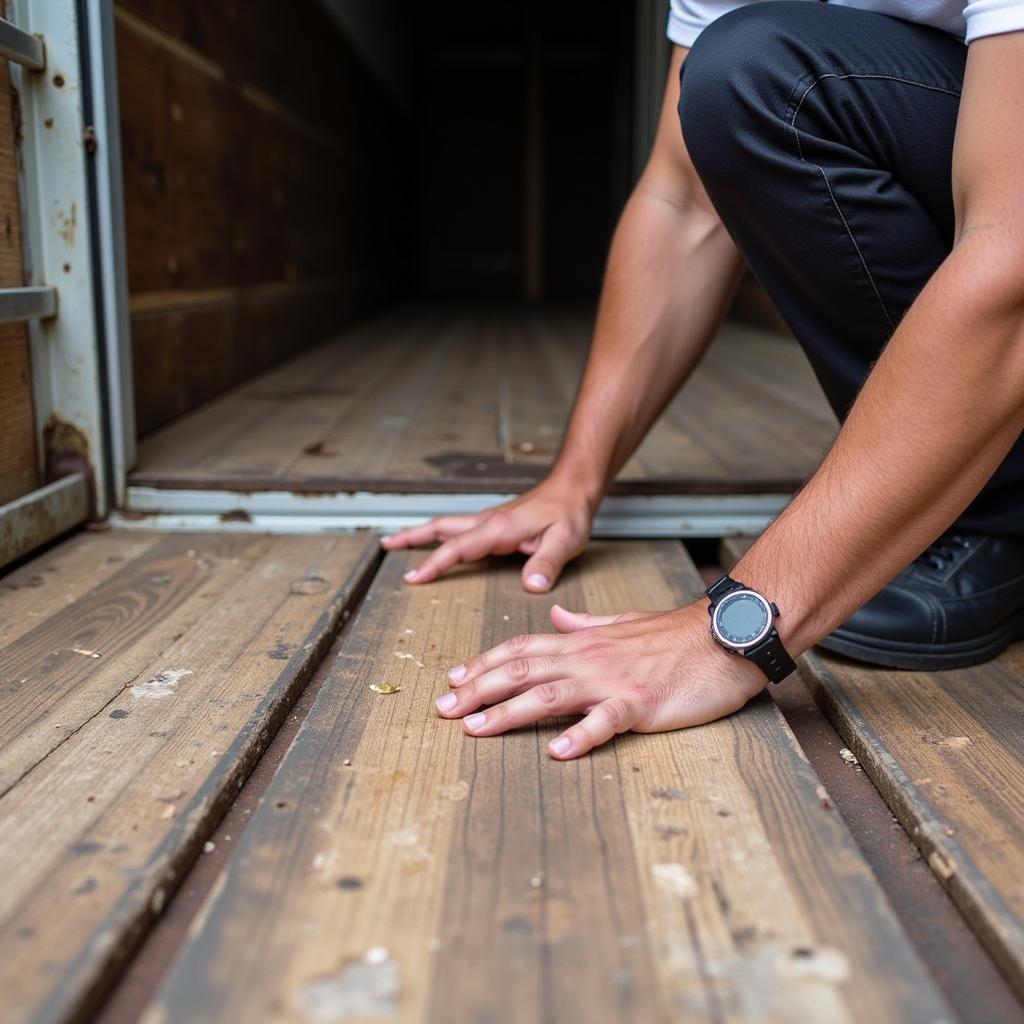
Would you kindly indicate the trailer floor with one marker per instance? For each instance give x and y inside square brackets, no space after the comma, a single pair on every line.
[380,862]
[476,403]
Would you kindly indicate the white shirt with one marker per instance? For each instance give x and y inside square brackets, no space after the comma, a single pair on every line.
[969,21]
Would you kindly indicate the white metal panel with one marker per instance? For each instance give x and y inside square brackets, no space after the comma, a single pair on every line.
[113,262]
[285,512]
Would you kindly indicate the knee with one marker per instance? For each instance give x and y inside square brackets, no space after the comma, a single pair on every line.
[730,84]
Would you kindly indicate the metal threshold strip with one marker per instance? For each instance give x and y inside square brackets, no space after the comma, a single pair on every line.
[620,516]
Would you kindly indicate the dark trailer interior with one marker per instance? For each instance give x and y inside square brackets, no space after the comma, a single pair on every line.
[275,279]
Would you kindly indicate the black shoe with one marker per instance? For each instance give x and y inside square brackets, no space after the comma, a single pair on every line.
[959,603]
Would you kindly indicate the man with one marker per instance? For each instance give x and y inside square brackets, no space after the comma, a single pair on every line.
[870,167]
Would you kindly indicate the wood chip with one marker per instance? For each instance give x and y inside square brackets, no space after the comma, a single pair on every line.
[85,652]
[384,688]
[848,756]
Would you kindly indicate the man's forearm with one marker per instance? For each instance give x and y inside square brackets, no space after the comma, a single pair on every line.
[671,272]
[938,414]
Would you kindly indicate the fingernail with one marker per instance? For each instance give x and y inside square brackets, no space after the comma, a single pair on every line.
[457,674]
[447,702]
[473,722]
[560,746]
[409,576]
[535,579]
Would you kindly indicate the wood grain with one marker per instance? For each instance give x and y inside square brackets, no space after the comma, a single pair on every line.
[117,768]
[399,868]
[19,468]
[253,179]
[478,403]
[945,749]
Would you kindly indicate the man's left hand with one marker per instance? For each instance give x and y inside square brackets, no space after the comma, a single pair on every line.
[641,671]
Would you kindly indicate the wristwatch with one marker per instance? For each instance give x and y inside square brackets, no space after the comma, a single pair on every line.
[743,622]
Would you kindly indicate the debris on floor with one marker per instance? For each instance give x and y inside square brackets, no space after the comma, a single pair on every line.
[384,688]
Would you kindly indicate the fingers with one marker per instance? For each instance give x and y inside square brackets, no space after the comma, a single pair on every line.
[607,719]
[512,678]
[556,547]
[437,529]
[523,646]
[489,538]
[566,621]
[546,700]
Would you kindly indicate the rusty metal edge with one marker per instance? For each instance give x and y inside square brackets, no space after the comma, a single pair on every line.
[31,521]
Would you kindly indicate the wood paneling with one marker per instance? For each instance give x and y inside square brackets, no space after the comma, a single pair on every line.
[19,471]
[258,157]
[145,677]
[478,402]
[397,867]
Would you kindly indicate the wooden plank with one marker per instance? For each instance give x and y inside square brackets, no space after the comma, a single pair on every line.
[184,357]
[38,589]
[19,467]
[478,403]
[946,751]
[399,868]
[98,833]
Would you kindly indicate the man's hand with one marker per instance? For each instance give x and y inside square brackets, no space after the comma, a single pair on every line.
[550,523]
[642,671]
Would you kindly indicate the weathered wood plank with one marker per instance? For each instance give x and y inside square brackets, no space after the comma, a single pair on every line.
[197,670]
[399,868]
[478,403]
[19,470]
[945,749]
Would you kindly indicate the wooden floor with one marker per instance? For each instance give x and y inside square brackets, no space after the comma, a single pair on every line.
[438,402]
[946,751]
[396,868]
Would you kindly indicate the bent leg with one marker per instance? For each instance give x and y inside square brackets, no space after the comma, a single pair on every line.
[824,137]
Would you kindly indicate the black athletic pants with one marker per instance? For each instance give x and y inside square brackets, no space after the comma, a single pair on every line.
[824,137]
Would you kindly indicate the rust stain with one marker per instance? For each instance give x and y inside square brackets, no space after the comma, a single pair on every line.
[67,225]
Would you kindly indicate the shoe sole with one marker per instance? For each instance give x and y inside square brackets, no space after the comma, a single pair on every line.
[926,657]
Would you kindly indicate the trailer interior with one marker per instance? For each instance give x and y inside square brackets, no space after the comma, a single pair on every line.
[276,280]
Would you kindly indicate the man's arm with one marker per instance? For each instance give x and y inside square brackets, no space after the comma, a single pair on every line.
[939,412]
[671,272]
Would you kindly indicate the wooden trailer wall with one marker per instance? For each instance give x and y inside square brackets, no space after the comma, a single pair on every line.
[19,471]
[263,190]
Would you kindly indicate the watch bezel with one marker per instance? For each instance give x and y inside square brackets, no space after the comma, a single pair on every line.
[716,629]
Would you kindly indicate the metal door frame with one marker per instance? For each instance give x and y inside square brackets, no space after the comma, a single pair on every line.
[75,303]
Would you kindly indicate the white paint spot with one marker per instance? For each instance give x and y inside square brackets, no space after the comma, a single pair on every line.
[163,684]
[157,900]
[408,836]
[455,792]
[319,861]
[675,879]
[367,987]
[848,756]
[85,652]
[209,847]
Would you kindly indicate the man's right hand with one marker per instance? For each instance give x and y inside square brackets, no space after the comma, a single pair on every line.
[550,523]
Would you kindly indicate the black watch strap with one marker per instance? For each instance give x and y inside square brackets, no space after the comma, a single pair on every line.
[770,655]
[772,658]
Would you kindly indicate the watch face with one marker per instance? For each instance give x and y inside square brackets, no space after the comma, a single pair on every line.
[741,619]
